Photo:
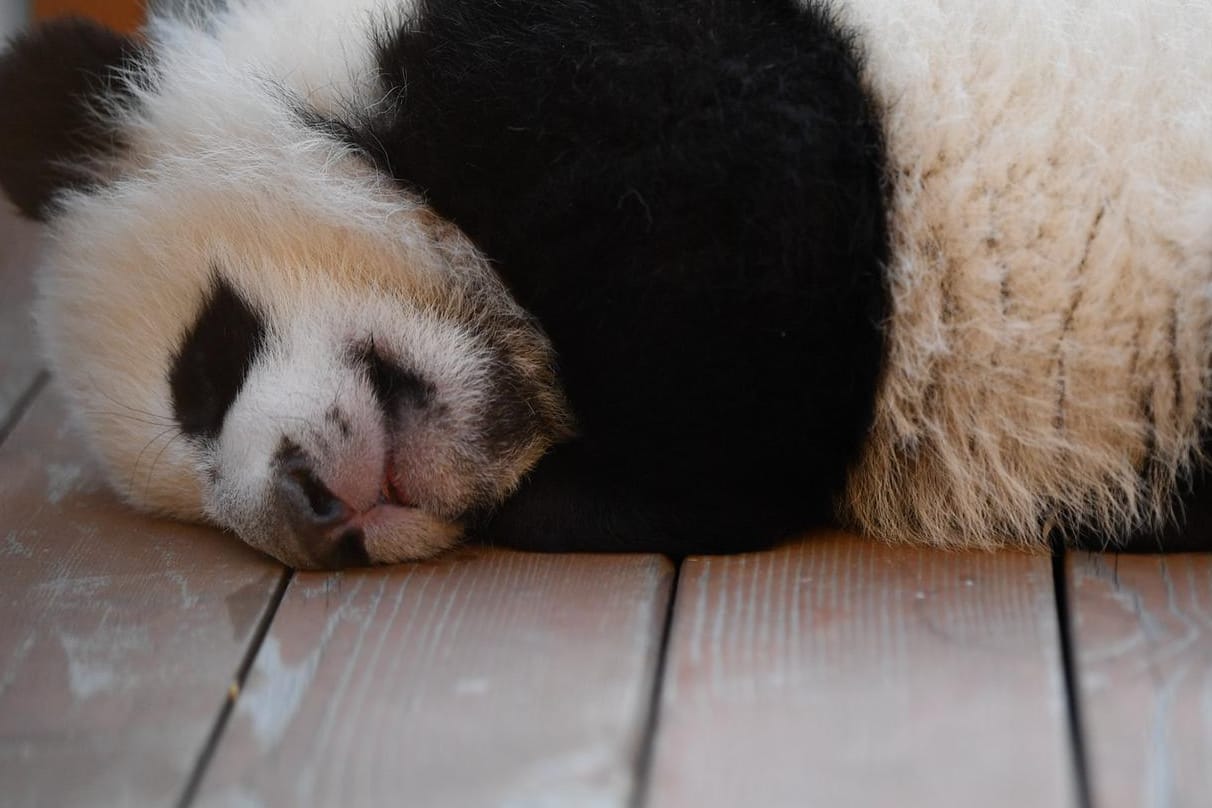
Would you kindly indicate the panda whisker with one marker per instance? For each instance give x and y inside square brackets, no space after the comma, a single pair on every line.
[152,421]
[157,416]
[139,457]
[155,460]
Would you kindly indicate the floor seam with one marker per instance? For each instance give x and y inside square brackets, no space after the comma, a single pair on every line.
[190,792]
[644,755]
[1073,713]
[22,405]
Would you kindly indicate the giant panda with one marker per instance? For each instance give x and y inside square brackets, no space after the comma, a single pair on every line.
[358,280]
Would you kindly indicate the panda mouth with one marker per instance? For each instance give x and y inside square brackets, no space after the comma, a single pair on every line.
[390,492]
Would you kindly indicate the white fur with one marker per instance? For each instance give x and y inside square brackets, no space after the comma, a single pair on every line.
[1052,270]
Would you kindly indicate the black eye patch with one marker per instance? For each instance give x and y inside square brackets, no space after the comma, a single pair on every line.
[393,385]
[213,360]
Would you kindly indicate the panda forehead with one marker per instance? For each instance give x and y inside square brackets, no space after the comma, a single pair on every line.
[276,234]
[231,154]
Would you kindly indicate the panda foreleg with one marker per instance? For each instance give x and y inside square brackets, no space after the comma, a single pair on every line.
[566,504]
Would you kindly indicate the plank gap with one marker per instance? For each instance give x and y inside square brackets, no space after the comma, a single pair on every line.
[190,793]
[1142,640]
[121,632]
[22,405]
[483,677]
[644,755]
[1077,737]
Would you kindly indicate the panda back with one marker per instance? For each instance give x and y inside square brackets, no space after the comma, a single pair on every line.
[1051,221]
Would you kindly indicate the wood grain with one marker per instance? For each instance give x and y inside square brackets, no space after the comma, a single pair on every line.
[488,678]
[1142,629]
[839,672]
[119,634]
[19,359]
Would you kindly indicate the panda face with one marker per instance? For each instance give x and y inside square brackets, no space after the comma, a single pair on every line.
[350,430]
[256,328]
[332,393]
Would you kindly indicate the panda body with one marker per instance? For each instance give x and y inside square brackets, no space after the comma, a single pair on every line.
[940,272]
[1044,343]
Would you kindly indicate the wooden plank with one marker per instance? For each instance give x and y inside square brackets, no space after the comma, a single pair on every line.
[120,635]
[485,678]
[1142,628]
[19,359]
[839,672]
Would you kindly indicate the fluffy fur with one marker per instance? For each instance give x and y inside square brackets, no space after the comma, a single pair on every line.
[1051,177]
[939,270]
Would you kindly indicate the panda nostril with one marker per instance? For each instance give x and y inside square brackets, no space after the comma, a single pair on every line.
[325,505]
[322,527]
[308,498]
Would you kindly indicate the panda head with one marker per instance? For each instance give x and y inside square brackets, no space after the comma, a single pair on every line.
[254,326]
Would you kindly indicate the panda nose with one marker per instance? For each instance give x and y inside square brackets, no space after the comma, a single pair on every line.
[318,518]
[307,497]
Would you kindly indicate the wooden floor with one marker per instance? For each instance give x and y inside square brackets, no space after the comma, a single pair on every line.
[149,663]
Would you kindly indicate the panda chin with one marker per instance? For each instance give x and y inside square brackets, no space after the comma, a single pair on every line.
[394,533]
[385,534]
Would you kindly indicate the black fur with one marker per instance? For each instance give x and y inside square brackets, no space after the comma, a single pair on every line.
[688,195]
[394,386]
[53,81]
[1192,530]
[1189,531]
[216,353]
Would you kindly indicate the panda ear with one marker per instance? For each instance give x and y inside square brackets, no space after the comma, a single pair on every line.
[53,82]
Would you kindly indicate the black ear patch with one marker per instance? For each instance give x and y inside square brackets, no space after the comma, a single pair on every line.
[52,80]
[209,368]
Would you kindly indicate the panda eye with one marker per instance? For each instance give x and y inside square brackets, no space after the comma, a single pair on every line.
[213,360]
[393,385]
